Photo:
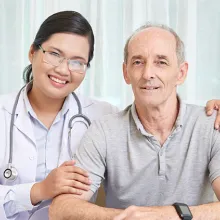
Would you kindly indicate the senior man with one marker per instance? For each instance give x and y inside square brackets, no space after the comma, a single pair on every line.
[160,157]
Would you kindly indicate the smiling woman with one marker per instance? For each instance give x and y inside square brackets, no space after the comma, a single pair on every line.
[53,74]
[42,118]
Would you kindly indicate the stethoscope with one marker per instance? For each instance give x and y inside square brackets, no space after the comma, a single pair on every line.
[11,172]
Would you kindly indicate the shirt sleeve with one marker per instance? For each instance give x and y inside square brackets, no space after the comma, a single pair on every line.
[91,154]
[115,109]
[16,199]
[214,164]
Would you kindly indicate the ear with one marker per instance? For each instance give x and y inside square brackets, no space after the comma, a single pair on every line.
[31,53]
[125,73]
[183,69]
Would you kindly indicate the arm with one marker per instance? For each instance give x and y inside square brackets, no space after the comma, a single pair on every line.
[202,212]
[15,199]
[23,197]
[75,207]
[90,156]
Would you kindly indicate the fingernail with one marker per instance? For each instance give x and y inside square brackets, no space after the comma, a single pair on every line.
[216,127]
[89,181]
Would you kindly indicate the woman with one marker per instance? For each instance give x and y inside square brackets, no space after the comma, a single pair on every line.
[41,144]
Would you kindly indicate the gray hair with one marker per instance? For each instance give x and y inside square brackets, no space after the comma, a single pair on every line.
[180,49]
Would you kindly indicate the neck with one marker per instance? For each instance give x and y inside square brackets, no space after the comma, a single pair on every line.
[42,104]
[159,120]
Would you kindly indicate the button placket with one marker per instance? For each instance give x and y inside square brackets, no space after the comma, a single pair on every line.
[162,162]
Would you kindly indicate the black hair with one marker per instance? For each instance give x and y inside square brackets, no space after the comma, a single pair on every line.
[62,22]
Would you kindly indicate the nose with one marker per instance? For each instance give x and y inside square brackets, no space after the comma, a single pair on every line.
[63,68]
[148,71]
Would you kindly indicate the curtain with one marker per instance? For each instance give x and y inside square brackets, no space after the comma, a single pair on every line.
[196,21]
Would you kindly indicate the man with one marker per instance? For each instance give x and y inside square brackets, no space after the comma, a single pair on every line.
[158,151]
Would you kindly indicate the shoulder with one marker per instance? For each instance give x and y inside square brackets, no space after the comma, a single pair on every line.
[95,108]
[198,114]
[115,122]
[7,101]
[199,123]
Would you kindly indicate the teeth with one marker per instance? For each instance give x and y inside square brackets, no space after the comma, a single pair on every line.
[150,88]
[57,80]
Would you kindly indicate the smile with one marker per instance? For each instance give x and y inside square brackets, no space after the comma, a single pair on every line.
[57,80]
[150,87]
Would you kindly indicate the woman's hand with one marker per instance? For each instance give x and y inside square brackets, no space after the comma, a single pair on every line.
[65,179]
[210,107]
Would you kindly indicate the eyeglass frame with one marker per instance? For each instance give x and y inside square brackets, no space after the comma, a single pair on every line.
[62,58]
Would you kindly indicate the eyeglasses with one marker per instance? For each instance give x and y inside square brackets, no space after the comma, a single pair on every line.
[55,59]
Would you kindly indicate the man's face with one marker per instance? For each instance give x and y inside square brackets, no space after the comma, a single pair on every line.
[152,67]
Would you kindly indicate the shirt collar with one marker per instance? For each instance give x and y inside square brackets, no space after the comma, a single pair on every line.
[178,124]
[182,110]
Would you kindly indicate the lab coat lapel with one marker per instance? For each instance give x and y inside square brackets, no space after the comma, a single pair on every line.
[24,125]
[22,119]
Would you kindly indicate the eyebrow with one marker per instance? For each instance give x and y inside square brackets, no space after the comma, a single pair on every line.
[161,56]
[54,48]
[137,57]
[74,57]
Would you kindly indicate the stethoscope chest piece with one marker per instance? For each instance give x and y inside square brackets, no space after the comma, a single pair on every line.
[11,173]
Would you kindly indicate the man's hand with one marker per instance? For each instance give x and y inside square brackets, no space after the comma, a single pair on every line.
[65,179]
[146,213]
[214,105]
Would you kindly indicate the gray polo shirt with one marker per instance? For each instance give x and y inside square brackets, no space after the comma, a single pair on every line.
[138,171]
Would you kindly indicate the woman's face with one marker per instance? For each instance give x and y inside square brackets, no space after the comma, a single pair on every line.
[51,74]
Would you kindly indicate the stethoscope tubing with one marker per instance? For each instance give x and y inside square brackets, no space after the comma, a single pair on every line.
[11,173]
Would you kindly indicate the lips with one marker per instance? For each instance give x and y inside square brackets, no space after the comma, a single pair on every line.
[150,87]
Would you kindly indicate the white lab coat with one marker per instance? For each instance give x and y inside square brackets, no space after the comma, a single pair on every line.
[25,153]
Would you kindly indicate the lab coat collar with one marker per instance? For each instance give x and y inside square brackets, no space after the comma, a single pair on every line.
[22,119]
[9,101]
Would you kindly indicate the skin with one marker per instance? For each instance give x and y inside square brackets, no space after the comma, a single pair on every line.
[47,98]
[154,73]
[210,107]
[155,107]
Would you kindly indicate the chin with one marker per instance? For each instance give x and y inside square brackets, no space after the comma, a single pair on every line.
[56,94]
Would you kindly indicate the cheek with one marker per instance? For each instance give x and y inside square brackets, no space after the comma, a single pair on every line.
[135,76]
[76,79]
[41,70]
[169,81]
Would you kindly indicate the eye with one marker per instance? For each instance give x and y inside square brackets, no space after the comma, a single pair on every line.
[54,54]
[161,62]
[76,63]
[137,62]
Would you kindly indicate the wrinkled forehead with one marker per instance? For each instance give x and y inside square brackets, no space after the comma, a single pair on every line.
[152,41]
